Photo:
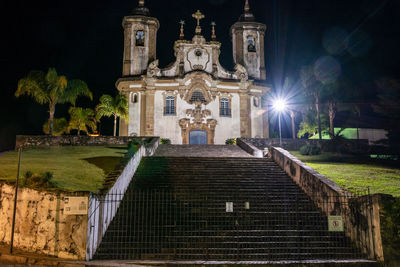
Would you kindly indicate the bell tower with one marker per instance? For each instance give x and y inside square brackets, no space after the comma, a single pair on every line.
[140,43]
[248,44]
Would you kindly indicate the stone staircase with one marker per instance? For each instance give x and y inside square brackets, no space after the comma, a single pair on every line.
[176,209]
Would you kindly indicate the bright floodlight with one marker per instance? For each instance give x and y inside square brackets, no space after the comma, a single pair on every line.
[279,105]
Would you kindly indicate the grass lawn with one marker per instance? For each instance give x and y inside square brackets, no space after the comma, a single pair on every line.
[75,168]
[356,173]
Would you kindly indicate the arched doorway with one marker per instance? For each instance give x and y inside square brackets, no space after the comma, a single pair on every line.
[198,137]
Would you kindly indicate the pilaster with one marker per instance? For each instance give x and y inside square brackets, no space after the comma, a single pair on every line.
[124,124]
[149,109]
[245,121]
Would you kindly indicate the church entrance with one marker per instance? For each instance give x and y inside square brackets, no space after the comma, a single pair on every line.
[198,137]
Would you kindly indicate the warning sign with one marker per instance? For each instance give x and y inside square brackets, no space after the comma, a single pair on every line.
[75,205]
[335,224]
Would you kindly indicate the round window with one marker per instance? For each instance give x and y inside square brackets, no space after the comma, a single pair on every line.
[198,53]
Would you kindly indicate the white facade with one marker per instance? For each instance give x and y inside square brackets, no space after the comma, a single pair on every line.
[194,98]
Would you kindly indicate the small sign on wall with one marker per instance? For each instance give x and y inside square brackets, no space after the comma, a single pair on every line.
[229,206]
[75,205]
[335,224]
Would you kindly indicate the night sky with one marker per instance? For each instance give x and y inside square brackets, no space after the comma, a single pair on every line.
[84,39]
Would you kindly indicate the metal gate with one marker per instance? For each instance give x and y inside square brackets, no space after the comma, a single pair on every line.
[194,225]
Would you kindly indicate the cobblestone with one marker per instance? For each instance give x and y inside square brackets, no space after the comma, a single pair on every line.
[230,151]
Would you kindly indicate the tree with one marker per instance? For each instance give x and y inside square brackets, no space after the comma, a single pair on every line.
[113,107]
[312,88]
[81,120]
[389,106]
[332,96]
[309,125]
[60,126]
[52,89]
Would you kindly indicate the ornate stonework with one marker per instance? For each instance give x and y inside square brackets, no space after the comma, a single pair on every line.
[207,96]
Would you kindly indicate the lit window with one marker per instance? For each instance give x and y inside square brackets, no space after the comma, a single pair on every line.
[139,38]
[251,47]
[225,110]
[170,106]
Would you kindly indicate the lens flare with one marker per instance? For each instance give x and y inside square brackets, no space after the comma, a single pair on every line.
[327,69]
[334,40]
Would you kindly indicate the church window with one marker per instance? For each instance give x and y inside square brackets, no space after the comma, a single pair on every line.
[170,106]
[134,98]
[225,109]
[197,96]
[139,38]
[251,43]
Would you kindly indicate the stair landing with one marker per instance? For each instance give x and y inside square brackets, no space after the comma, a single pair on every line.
[204,151]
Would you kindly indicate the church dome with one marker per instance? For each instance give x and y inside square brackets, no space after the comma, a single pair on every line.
[141,10]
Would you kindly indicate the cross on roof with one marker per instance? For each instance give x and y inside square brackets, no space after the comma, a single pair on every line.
[198,15]
[182,22]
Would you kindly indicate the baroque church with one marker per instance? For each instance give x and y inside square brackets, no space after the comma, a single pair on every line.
[194,100]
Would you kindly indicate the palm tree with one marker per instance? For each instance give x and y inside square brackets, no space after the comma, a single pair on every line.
[313,88]
[113,107]
[81,119]
[52,89]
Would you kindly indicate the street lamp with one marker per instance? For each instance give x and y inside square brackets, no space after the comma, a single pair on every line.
[280,105]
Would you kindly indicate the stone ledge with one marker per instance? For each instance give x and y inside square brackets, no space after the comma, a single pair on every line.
[26,141]
[322,178]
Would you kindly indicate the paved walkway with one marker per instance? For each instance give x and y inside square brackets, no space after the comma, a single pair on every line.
[208,151]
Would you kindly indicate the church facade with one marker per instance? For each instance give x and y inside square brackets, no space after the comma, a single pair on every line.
[194,100]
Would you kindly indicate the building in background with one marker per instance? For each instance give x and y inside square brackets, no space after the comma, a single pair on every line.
[194,100]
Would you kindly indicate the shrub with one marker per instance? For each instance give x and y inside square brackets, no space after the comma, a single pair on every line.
[308,150]
[27,175]
[136,142]
[165,141]
[38,181]
[315,150]
[230,141]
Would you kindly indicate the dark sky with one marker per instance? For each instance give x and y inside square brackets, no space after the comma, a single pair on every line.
[84,39]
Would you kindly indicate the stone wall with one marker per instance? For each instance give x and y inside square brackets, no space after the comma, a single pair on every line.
[390,229]
[295,144]
[41,226]
[46,140]
[360,214]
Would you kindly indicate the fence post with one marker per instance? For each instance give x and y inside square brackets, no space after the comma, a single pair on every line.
[15,201]
[371,214]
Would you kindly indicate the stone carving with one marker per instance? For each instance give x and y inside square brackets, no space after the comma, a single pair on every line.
[200,122]
[241,73]
[152,69]
[197,114]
